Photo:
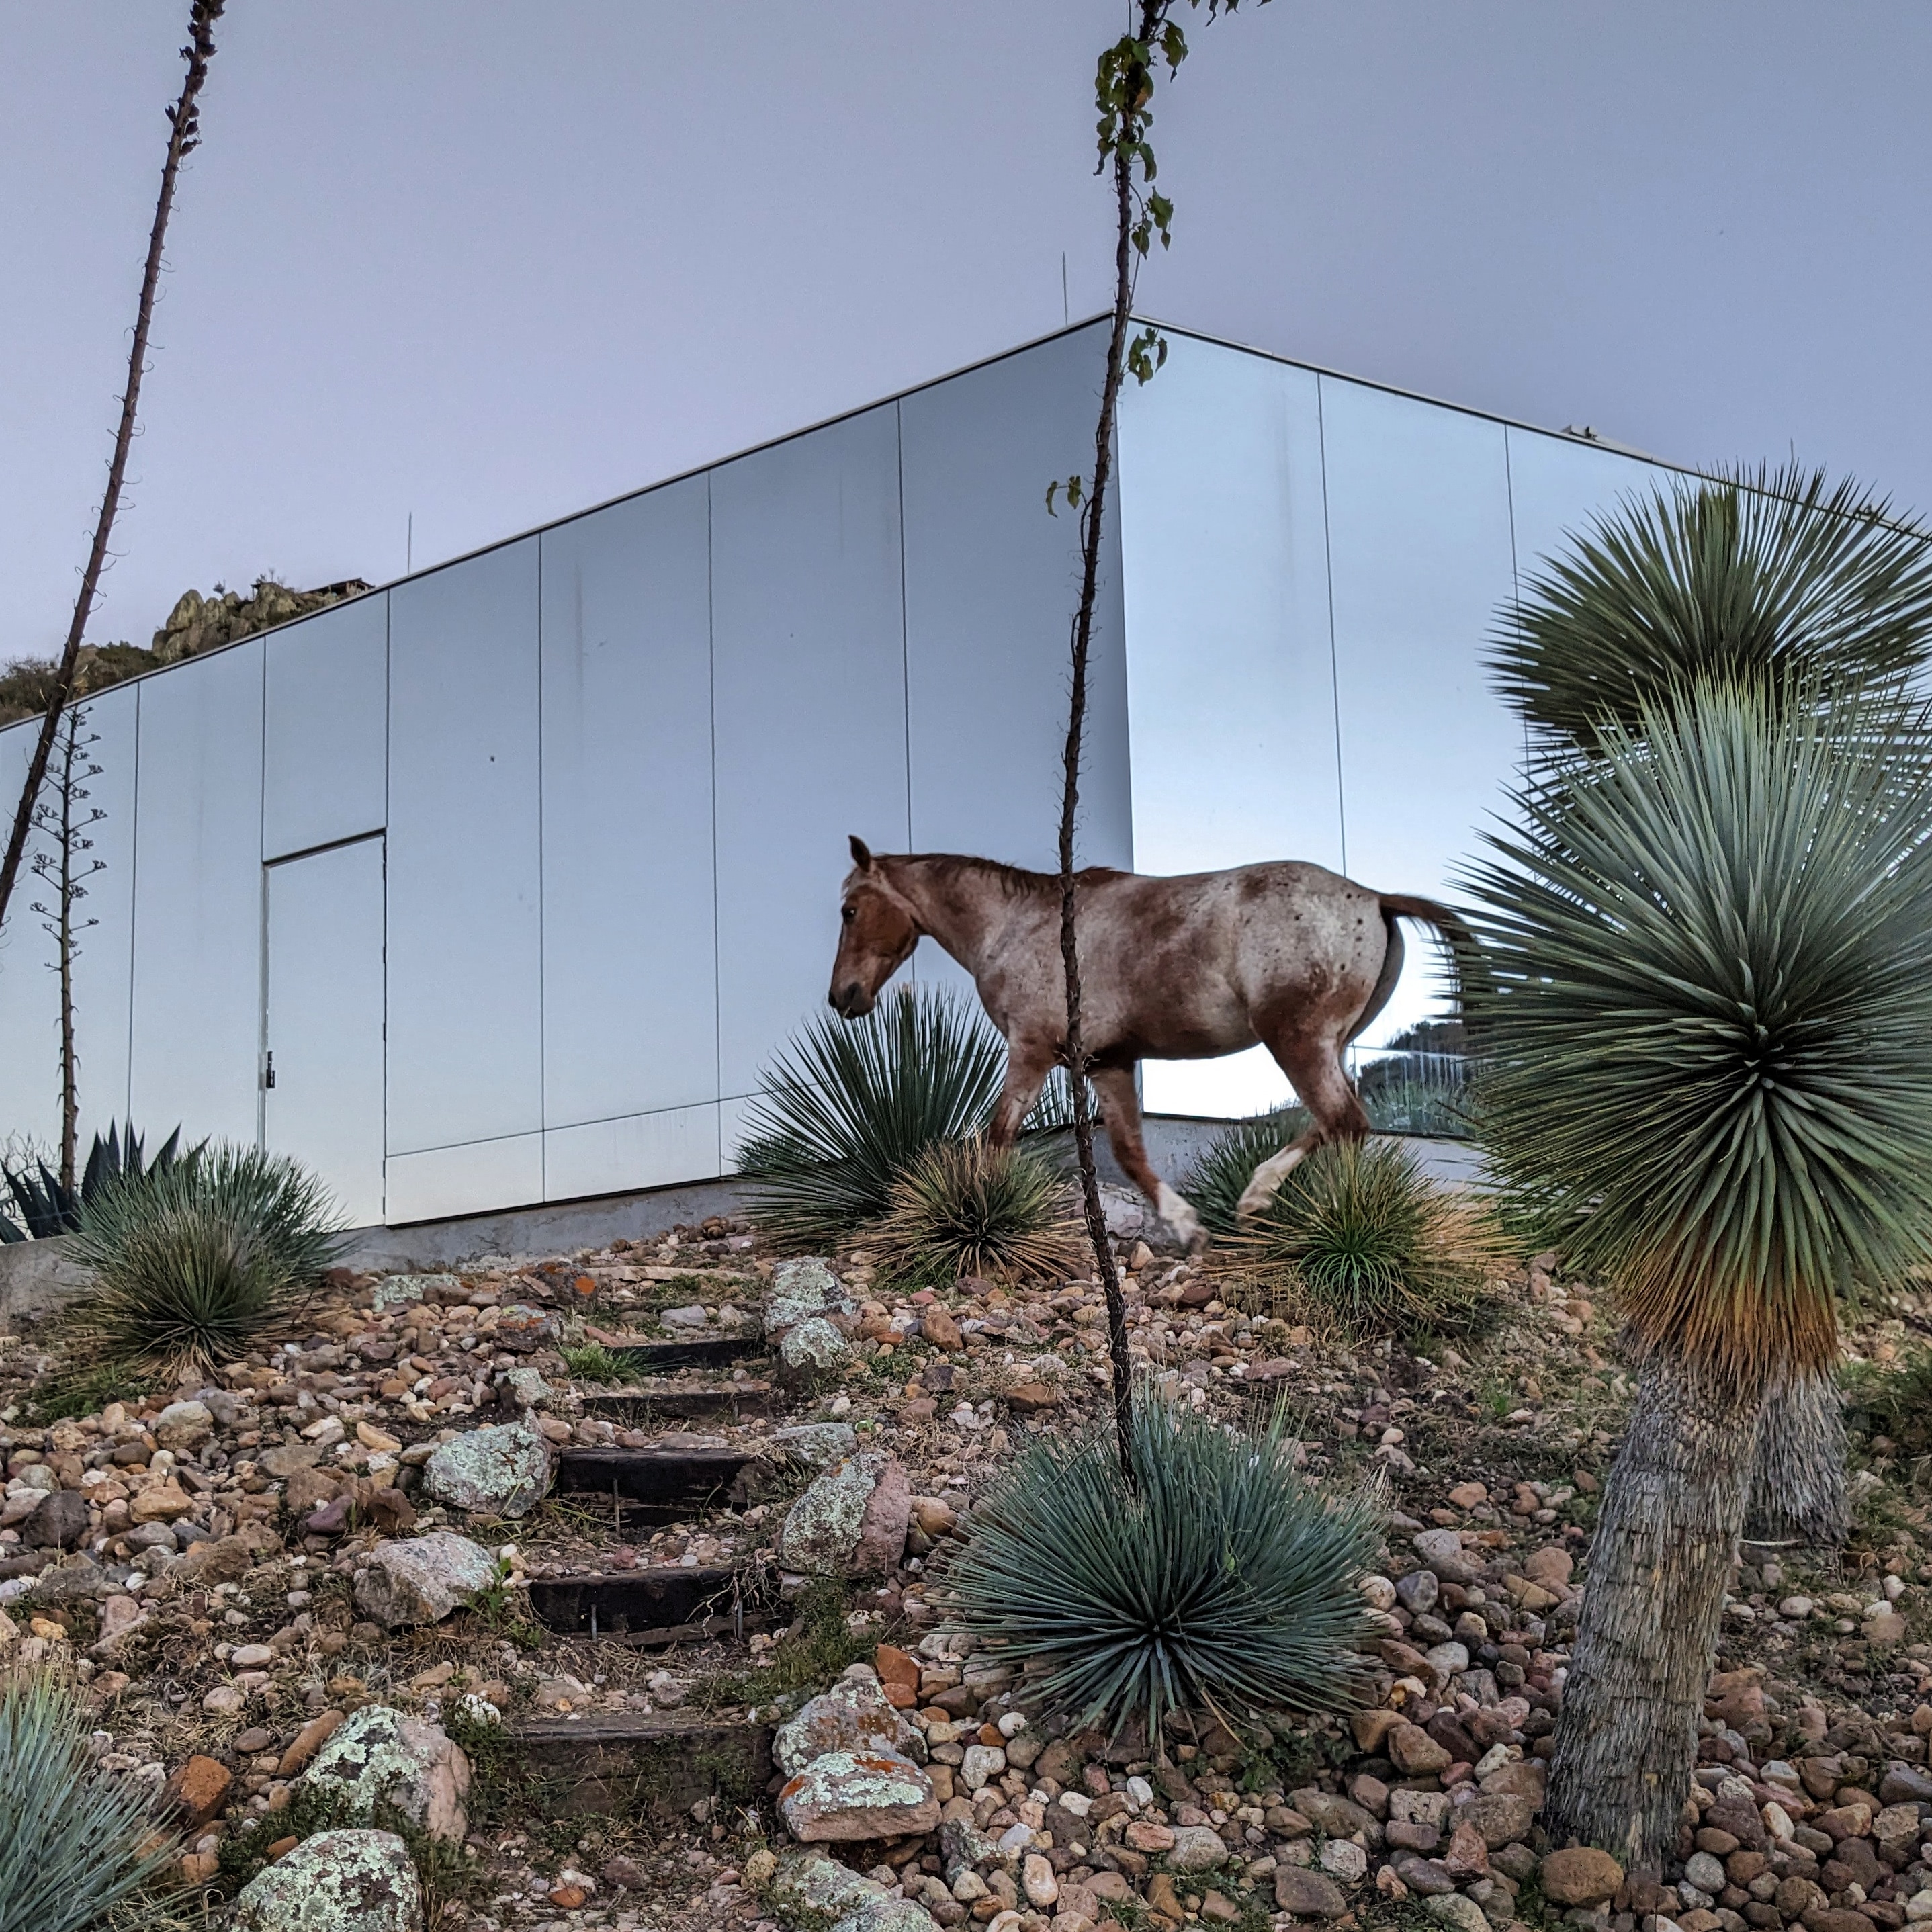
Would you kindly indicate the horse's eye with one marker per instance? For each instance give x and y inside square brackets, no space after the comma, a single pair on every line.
[848,913]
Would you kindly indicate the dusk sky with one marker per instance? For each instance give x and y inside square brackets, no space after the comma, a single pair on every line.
[489,265]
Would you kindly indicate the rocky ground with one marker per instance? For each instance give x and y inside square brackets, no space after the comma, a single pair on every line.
[302,1597]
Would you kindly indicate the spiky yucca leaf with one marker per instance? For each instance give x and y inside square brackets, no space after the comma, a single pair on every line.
[1765,573]
[1220,1581]
[191,1262]
[1372,1241]
[1703,996]
[966,1208]
[853,1103]
[1215,1182]
[79,1847]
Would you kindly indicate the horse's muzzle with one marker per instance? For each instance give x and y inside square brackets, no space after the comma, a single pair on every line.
[851,1001]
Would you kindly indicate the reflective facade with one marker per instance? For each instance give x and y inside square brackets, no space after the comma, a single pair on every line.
[514,874]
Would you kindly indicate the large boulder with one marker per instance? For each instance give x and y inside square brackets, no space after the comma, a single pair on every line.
[801,1290]
[422,1580]
[852,1716]
[809,1889]
[376,1756]
[335,1882]
[852,1521]
[499,1472]
[846,1795]
[813,1347]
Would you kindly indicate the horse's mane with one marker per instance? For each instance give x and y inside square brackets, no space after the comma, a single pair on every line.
[1014,882]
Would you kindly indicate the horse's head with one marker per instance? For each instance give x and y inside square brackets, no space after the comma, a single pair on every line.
[876,938]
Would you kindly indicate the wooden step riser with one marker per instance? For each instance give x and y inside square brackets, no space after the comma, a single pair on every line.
[650,1487]
[657,1358]
[666,1603]
[640,1408]
[623,1766]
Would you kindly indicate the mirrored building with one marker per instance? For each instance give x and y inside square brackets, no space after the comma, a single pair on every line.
[500,885]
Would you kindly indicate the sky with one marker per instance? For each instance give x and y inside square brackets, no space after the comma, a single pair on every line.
[479,265]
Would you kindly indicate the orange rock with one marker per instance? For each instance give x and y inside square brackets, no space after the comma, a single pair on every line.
[200,1868]
[1024,1398]
[895,1666]
[196,1791]
[941,1330]
[308,1742]
[281,1848]
[569,1897]
[901,1696]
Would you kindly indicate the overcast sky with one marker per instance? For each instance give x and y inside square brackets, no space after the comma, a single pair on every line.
[490,264]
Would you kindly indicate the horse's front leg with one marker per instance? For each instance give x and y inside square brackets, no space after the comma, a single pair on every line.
[1028,1064]
[1121,1106]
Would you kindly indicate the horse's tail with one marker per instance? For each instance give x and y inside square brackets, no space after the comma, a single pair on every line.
[1453,928]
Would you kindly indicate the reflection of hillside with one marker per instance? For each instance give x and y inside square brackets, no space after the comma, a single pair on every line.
[1418,1083]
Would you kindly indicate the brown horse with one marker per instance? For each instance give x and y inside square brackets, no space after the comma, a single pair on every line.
[1288,954]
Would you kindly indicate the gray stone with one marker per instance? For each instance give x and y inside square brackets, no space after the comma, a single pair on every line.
[183,1426]
[1307,1893]
[1453,1909]
[962,1846]
[809,1890]
[527,1389]
[376,1756]
[801,1289]
[692,1317]
[853,1716]
[422,1580]
[334,1881]
[1418,1591]
[813,1347]
[286,1458]
[852,1521]
[1904,1784]
[847,1795]
[1705,1871]
[1441,1549]
[58,1522]
[393,1289]
[1197,1848]
[499,1472]
[819,1444]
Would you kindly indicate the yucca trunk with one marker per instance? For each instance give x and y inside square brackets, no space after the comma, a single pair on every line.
[1798,1480]
[1627,1731]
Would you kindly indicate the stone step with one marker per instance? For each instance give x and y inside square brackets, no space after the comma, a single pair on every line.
[623,1763]
[648,1608]
[657,1486]
[715,1351]
[634,1408]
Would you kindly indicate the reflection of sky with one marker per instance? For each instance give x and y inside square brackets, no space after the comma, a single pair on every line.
[1312,568]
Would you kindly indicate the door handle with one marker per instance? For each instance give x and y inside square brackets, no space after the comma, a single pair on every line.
[269,1076]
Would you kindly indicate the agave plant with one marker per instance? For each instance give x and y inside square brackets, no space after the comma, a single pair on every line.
[1216,1579]
[965,1207]
[1772,574]
[1214,1183]
[1703,993]
[48,1208]
[1369,1240]
[79,1848]
[853,1103]
[190,1265]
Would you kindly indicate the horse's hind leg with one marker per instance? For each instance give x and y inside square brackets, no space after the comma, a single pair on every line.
[1121,1107]
[1315,1065]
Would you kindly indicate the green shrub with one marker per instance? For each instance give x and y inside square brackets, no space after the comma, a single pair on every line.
[1220,1580]
[1894,1399]
[593,1363]
[79,1848]
[192,1264]
[1215,1182]
[967,1208]
[1371,1241]
[852,1105]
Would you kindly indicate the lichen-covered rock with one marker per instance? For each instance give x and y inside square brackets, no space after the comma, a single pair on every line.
[378,1756]
[183,1426]
[819,1444]
[499,1472]
[335,1882]
[394,1289]
[811,1890]
[801,1289]
[813,1347]
[527,1389]
[847,1795]
[852,1716]
[422,1580]
[852,1521]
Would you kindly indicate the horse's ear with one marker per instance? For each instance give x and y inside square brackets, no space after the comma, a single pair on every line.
[862,854]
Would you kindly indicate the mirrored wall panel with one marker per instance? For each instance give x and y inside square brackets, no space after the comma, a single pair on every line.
[325,752]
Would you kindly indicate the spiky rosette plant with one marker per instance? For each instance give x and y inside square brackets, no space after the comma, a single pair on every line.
[1368,1239]
[1216,1579]
[1702,991]
[967,1208]
[80,1848]
[1773,576]
[1214,1183]
[853,1104]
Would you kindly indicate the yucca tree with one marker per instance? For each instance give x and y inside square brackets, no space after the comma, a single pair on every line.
[1703,984]
[1776,577]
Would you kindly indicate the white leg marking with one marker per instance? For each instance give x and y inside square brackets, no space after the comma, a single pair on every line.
[1173,1210]
[1265,1180]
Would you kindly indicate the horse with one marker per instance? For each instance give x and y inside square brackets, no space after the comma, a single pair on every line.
[1286,953]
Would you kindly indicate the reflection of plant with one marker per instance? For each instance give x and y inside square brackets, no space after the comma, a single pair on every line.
[48,1207]
[966,1208]
[80,1846]
[190,1264]
[1212,1577]
[1371,1239]
[853,1103]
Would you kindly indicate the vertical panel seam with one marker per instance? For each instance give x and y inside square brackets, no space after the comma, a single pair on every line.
[133,900]
[1516,562]
[262,904]
[717,936]
[543,1010]
[905,636]
[1334,657]
[382,1160]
